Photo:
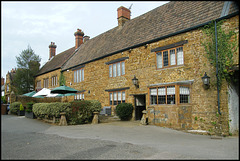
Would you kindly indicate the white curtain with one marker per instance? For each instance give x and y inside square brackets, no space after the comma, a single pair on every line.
[161,91]
[114,70]
[170,90]
[110,70]
[123,96]
[123,68]
[82,74]
[153,91]
[179,55]
[118,69]
[184,90]
[172,57]
[159,60]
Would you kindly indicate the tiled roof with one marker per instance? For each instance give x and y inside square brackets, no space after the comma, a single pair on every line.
[164,20]
[57,61]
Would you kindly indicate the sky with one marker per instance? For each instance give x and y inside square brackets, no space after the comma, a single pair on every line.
[38,23]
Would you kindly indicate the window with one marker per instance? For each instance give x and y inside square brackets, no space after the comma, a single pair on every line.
[7,87]
[54,81]
[184,94]
[38,84]
[45,83]
[117,69]
[179,55]
[159,60]
[110,70]
[79,96]
[114,70]
[79,75]
[161,95]
[170,94]
[170,57]
[116,97]
[167,95]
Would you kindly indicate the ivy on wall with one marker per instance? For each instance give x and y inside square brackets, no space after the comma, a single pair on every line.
[62,80]
[226,46]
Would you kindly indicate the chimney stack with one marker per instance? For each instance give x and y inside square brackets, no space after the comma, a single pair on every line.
[78,38]
[86,38]
[123,15]
[52,50]
[2,81]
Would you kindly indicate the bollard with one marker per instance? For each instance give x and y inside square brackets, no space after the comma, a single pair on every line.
[144,118]
[63,121]
[95,118]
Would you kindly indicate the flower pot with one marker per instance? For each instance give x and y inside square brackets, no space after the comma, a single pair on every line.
[30,115]
[21,113]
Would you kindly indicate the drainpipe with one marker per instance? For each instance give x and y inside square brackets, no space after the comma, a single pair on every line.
[217,68]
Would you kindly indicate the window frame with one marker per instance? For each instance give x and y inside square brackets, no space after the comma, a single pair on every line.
[54,81]
[169,57]
[81,96]
[78,75]
[117,96]
[110,66]
[46,83]
[39,84]
[177,94]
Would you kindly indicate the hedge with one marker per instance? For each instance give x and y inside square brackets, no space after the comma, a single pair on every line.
[15,107]
[51,109]
[82,111]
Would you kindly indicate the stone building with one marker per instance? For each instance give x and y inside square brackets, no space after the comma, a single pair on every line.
[9,86]
[161,51]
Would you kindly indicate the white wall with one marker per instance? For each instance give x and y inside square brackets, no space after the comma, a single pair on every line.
[233,106]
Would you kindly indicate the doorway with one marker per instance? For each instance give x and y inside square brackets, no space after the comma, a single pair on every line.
[140,105]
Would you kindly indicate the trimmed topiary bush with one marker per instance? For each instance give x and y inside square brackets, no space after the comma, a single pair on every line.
[124,111]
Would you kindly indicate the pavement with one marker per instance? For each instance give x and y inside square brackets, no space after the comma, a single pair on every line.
[143,141]
[171,144]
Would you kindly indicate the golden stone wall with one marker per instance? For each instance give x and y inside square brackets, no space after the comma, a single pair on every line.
[199,114]
[49,76]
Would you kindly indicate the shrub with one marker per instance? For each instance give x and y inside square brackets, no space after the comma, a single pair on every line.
[21,108]
[15,107]
[3,99]
[82,111]
[51,109]
[124,111]
[29,106]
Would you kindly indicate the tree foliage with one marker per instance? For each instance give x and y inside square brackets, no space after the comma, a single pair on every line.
[28,64]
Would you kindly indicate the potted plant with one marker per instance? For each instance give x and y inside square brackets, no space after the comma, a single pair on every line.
[28,112]
[21,111]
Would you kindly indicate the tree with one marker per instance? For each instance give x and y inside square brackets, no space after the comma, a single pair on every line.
[28,64]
